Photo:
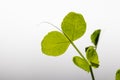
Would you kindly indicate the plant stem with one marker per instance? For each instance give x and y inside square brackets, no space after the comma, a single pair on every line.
[92,74]
[78,51]
[91,71]
[75,47]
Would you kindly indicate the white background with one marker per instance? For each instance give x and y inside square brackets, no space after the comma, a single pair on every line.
[21,32]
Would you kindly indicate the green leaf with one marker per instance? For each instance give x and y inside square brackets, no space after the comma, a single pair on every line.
[95,36]
[92,56]
[73,25]
[117,77]
[81,63]
[87,48]
[54,44]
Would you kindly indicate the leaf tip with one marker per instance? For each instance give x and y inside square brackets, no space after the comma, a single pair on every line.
[95,36]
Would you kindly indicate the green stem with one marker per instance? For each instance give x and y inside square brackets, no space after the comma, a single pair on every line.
[78,51]
[75,47]
[91,71]
[92,74]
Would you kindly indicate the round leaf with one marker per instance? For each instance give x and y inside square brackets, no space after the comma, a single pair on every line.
[54,44]
[92,56]
[81,63]
[73,25]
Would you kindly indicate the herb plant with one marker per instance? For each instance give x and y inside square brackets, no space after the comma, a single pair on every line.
[73,27]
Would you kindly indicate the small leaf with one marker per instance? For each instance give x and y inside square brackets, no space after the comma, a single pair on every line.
[95,36]
[92,56]
[73,25]
[87,48]
[54,44]
[117,77]
[81,63]
[94,65]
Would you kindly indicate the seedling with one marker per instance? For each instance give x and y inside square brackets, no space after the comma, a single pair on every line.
[73,27]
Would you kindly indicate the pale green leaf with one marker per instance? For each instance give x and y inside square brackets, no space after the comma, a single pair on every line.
[92,56]
[95,36]
[81,63]
[54,44]
[73,25]
[117,77]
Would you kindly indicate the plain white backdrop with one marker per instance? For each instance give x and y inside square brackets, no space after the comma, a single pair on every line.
[21,32]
